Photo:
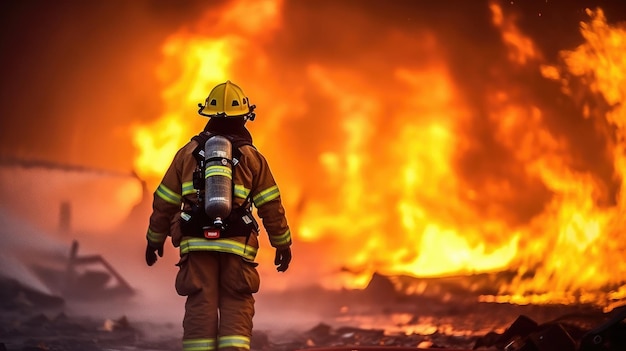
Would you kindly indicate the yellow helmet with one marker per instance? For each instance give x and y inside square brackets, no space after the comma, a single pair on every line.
[227,100]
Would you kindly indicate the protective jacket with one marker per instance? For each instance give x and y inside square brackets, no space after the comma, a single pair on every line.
[252,180]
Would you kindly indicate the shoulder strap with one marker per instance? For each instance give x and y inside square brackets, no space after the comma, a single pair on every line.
[237,143]
[198,152]
[236,154]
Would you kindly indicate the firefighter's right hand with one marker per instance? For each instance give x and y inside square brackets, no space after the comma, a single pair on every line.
[151,254]
[282,259]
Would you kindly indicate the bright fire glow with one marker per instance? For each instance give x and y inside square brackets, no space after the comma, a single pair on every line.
[585,252]
[370,168]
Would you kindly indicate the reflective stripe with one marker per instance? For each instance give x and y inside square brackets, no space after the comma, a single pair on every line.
[198,344]
[155,237]
[240,341]
[221,245]
[188,188]
[218,171]
[281,239]
[168,195]
[241,192]
[266,196]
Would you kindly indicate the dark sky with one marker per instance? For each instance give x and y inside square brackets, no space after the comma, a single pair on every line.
[76,74]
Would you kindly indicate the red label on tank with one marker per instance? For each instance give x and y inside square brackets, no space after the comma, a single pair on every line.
[211,233]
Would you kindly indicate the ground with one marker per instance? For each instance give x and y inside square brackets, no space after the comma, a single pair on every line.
[343,318]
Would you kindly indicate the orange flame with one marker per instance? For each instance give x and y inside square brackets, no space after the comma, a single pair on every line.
[369,168]
[585,253]
[193,65]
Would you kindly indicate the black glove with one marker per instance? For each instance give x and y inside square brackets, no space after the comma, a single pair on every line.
[282,259]
[151,254]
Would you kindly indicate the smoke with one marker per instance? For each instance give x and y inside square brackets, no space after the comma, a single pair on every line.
[48,206]
[23,243]
[58,199]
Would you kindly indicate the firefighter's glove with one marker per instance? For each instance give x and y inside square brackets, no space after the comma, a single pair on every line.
[151,253]
[282,259]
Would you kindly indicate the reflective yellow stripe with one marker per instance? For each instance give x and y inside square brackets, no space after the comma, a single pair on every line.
[240,341]
[218,171]
[266,196]
[188,188]
[155,237]
[221,245]
[241,192]
[168,195]
[281,239]
[198,344]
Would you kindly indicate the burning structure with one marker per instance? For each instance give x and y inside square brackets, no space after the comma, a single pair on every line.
[511,164]
[418,141]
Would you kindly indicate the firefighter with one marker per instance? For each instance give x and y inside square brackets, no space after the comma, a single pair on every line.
[217,269]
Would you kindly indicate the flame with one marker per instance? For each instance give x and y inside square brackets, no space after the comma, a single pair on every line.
[585,254]
[193,64]
[521,48]
[380,173]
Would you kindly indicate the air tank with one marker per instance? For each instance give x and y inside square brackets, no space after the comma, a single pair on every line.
[218,178]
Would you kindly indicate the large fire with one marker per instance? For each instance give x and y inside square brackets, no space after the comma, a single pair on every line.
[374,157]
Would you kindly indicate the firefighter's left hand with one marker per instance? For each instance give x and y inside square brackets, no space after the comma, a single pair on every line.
[282,259]
[151,254]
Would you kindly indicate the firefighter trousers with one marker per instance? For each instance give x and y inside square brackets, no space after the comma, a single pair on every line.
[220,305]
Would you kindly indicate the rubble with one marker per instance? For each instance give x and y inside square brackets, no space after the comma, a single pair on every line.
[34,328]
[444,316]
[13,295]
[84,277]
[564,334]
[33,316]
[60,332]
